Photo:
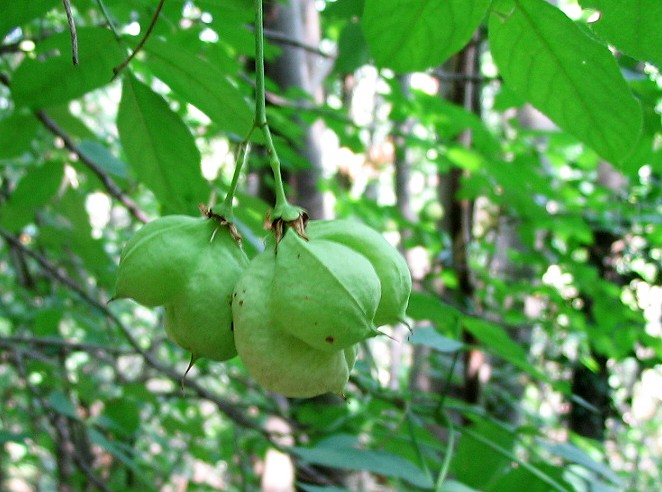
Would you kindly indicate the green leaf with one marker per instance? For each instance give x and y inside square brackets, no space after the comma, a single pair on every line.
[433,339]
[454,486]
[16,134]
[314,488]
[476,464]
[8,436]
[15,14]
[124,415]
[634,27]
[412,35]
[160,148]
[426,306]
[101,156]
[51,78]
[47,321]
[116,450]
[70,233]
[33,191]
[495,340]
[378,462]
[576,455]
[70,124]
[538,481]
[201,84]
[546,59]
[61,403]
[352,49]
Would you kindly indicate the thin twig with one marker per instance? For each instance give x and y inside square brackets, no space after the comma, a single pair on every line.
[72,31]
[62,343]
[109,20]
[142,42]
[283,39]
[106,180]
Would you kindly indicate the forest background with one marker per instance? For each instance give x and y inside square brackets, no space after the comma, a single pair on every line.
[511,151]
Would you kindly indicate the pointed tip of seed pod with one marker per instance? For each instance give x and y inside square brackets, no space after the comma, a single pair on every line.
[402,320]
[380,332]
[194,358]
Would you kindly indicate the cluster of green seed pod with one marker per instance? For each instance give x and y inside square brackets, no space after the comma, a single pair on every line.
[295,314]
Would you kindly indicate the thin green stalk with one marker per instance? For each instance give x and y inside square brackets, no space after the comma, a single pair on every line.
[225,209]
[282,209]
[450,447]
[109,20]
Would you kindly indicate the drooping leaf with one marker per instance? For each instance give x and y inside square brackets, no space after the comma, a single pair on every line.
[379,462]
[475,463]
[123,415]
[70,233]
[352,49]
[574,454]
[8,436]
[634,27]
[410,35]
[15,14]
[160,148]
[426,306]
[118,452]
[540,481]
[429,337]
[315,488]
[16,134]
[32,192]
[495,340]
[47,321]
[50,78]
[103,158]
[546,59]
[70,124]
[61,403]
[201,84]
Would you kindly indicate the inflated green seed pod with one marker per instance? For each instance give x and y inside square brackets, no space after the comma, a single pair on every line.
[199,318]
[324,293]
[156,260]
[391,267]
[190,265]
[277,360]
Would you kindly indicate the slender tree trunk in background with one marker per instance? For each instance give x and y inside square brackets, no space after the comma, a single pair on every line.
[458,214]
[588,385]
[504,404]
[592,386]
[295,68]
[403,164]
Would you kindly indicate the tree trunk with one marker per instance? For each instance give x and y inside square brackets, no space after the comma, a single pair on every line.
[458,214]
[295,68]
[587,385]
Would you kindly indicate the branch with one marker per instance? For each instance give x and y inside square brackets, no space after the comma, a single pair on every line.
[62,343]
[281,38]
[142,42]
[56,274]
[72,31]
[106,180]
